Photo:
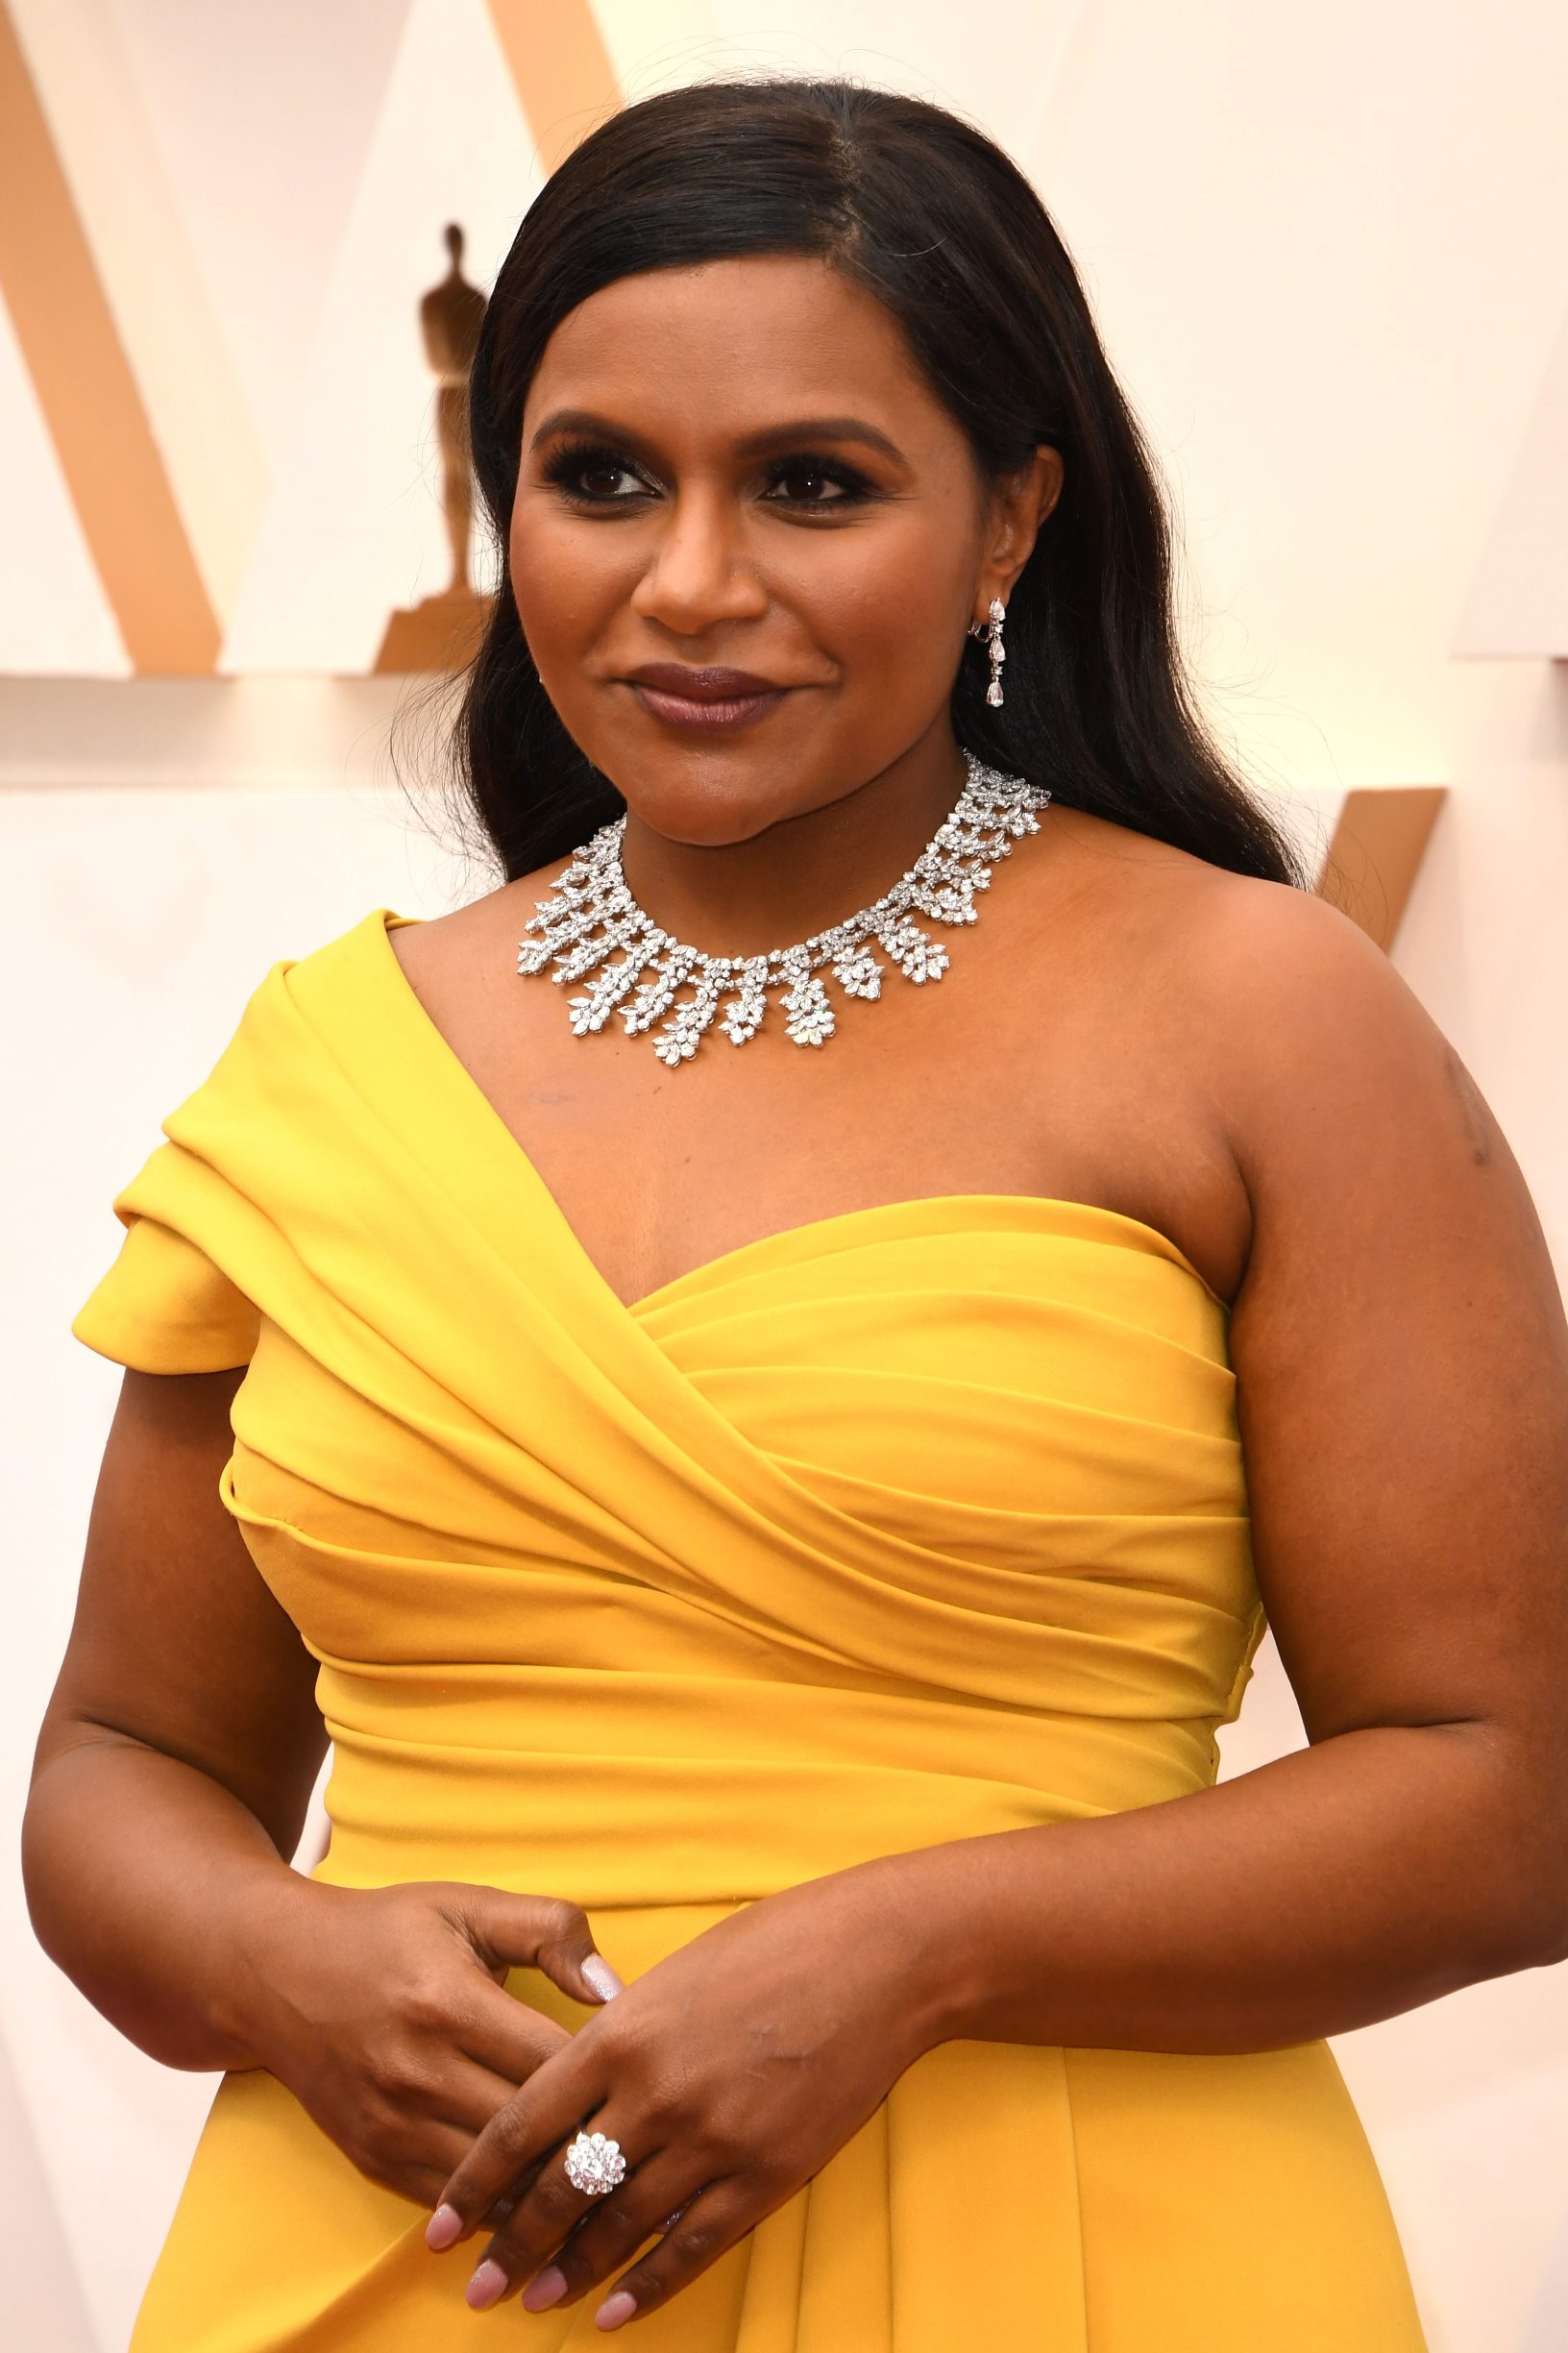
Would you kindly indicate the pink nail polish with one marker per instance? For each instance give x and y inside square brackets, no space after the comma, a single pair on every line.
[545,2290]
[615,2309]
[444,2229]
[597,1973]
[488,2285]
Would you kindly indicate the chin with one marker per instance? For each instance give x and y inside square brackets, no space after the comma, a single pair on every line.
[704,826]
[708,811]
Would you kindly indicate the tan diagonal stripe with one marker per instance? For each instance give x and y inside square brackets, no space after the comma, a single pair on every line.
[561,67]
[1375,856]
[102,435]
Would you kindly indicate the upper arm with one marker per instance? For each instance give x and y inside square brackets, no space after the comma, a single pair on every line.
[1400,1356]
[177,1642]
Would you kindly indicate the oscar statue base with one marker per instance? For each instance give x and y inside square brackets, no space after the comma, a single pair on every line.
[439,633]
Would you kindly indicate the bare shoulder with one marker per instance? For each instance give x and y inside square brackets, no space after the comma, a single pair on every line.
[1311,1043]
[1398,1335]
[447,951]
[1386,1199]
[1362,1143]
[1340,1088]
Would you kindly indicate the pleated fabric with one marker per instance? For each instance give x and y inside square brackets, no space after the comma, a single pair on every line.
[907,1525]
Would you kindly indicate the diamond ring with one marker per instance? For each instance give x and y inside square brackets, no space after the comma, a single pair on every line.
[594,2165]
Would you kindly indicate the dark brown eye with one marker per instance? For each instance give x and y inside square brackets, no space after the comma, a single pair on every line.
[812,481]
[602,479]
[810,485]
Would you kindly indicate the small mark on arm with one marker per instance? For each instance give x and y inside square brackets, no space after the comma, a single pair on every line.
[1472,1106]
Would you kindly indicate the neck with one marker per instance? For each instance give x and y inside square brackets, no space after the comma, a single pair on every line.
[800,875]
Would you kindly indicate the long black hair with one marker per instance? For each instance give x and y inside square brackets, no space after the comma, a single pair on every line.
[927,214]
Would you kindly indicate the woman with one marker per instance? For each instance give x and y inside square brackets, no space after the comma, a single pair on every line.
[766,1532]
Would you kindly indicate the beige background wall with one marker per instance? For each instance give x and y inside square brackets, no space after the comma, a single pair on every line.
[1330,256]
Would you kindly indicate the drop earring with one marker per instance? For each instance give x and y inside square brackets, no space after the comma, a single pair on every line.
[991,629]
[997,650]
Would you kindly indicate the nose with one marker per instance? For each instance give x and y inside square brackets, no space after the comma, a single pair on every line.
[699,571]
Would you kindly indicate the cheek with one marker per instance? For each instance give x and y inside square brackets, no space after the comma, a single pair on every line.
[567,581]
[885,598]
[882,602]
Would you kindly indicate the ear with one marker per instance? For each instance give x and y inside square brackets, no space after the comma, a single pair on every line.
[1020,505]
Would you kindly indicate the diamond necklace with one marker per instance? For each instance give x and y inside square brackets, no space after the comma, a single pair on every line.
[593,918]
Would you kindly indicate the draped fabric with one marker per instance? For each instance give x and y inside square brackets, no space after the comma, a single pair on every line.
[907,1525]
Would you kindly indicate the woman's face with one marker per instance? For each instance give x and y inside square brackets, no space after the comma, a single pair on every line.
[739,469]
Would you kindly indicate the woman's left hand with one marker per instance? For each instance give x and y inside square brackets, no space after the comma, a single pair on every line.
[729,2074]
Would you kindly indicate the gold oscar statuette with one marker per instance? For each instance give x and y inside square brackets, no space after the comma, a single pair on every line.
[443,632]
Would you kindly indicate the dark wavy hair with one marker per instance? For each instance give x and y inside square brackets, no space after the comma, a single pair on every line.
[927,214]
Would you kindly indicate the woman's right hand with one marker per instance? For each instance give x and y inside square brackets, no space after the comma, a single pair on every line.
[384,2011]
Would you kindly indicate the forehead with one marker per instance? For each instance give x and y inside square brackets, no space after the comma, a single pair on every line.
[736,339]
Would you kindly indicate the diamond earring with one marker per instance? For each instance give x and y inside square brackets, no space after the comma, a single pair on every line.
[998,652]
[991,628]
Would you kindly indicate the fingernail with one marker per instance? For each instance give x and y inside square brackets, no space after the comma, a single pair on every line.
[615,2309]
[444,2229]
[597,1973]
[546,2289]
[487,2287]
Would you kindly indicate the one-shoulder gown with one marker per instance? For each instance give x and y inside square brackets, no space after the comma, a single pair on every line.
[911,1523]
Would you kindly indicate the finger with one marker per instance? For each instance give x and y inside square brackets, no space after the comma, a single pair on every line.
[410,2158]
[544,1932]
[648,2204]
[422,2182]
[711,2223]
[549,2211]
[537,2120]
[467,2097]
[417,2163]
[507,2036]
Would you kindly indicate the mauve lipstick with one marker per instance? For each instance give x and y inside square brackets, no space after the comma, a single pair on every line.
[709,701]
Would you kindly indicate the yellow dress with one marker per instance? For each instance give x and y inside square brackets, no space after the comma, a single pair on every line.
[915,1523]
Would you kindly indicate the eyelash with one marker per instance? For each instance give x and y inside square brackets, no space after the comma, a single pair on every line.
[565,467]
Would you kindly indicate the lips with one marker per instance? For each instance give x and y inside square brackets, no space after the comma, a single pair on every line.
[706,698]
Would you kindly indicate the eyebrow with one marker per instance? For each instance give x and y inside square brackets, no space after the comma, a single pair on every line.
[800,429]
